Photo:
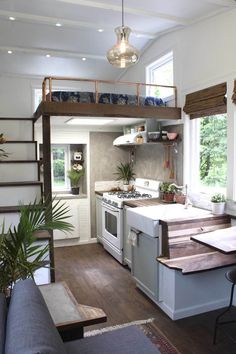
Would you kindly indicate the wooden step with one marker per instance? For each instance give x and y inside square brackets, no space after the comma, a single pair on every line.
[19,171]
[17,128]
[14,184]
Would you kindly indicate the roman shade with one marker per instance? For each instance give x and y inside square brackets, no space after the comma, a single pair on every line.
[234,93]
[206,102]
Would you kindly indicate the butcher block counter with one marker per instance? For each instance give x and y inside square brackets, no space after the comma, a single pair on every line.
[143,202]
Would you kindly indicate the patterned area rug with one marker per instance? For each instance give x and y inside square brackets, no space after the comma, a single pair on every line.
[158,338]
[150,330]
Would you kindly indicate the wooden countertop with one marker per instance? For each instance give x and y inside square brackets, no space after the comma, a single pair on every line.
[142,202]
[199,262]
[223,240]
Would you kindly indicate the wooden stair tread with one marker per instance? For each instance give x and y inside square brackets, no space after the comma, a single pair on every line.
[15,118]
[199,262]
[11,209]
[28,183]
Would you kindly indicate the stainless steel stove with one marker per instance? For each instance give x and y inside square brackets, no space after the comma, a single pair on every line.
[112,213]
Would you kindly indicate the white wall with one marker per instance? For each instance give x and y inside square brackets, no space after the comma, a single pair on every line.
[204,55]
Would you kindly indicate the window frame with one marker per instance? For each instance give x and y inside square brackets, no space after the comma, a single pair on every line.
[192,160]
[161,61]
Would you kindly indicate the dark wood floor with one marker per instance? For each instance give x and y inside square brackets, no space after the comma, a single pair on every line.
[96,279]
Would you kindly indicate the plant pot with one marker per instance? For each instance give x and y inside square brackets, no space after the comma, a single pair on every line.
[180,199]
[126,187]
[218,208]
[168,197]
[75,190]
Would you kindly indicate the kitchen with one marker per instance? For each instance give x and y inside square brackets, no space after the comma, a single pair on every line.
[193,71]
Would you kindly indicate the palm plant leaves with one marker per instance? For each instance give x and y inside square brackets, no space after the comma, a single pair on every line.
[20,254]
[125,172]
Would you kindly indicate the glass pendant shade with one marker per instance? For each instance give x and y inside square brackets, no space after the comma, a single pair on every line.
[122,54]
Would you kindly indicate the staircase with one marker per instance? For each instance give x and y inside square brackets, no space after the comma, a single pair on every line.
[20,177]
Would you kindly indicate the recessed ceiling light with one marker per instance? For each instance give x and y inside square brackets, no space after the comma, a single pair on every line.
[48,55]
[100,30]
[88,121]
[84,59]
[58,24]
[11,18]
[9,51]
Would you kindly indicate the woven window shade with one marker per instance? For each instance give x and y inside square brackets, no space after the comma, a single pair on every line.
[207,102]
[234,93]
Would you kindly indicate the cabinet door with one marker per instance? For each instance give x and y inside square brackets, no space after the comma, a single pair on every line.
[99,218]
[145,265]
[126,245]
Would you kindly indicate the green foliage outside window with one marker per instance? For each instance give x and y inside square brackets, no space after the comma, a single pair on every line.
[213,150]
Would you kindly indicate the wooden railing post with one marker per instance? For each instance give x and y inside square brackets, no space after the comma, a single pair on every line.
[48,181]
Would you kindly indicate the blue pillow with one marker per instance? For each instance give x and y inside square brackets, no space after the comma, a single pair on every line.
[30,328]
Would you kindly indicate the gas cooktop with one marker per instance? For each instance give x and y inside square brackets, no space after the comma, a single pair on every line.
[130,195]
[143,189]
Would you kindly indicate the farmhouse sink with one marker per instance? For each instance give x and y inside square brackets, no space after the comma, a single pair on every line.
[146,219]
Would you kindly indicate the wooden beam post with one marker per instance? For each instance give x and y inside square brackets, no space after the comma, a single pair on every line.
[48,181]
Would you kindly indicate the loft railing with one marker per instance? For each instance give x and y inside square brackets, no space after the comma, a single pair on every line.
[48,82]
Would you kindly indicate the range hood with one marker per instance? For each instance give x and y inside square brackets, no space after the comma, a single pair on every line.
[129,139]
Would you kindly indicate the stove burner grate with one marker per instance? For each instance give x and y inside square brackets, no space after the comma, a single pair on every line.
[130,195]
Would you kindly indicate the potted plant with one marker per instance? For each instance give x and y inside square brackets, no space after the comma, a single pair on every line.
[74,174]
[218,203]
[168,190]
[179,196]
[20,256]
[125,173]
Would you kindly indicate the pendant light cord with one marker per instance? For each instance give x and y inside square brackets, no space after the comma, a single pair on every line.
[122,13]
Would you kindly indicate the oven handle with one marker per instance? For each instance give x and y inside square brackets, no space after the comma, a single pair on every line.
[108,207]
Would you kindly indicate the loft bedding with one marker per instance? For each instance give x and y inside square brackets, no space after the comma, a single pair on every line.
[105,98]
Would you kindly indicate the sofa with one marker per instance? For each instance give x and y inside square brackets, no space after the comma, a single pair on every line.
[26,327]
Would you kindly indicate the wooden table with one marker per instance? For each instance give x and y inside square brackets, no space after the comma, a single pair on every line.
[69,317]
[223,240]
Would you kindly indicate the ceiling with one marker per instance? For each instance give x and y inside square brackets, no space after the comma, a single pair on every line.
[34,33]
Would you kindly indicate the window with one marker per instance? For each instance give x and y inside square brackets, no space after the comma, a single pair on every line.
[60,164]
[161,73]
[37,98]
[208,159]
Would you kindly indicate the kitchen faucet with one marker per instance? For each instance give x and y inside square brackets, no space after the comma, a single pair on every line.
[187,201]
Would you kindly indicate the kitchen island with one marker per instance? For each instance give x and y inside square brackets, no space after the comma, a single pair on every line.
[187,277]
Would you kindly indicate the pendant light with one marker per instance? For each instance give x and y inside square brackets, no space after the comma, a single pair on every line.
[122,54]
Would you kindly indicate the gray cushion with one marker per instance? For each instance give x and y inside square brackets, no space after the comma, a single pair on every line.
[30,329]
[129,340]
[3,315]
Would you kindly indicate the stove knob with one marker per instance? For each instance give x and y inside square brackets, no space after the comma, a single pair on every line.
[109,202]
[116,204]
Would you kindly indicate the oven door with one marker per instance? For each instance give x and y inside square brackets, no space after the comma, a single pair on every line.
[112,225]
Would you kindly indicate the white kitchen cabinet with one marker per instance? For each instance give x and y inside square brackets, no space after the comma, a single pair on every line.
[99,218]
[79,211]
[126,245]
[145,268]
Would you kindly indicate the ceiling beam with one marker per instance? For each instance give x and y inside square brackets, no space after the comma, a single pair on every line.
[53,53]
[51,21]
[132,11]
